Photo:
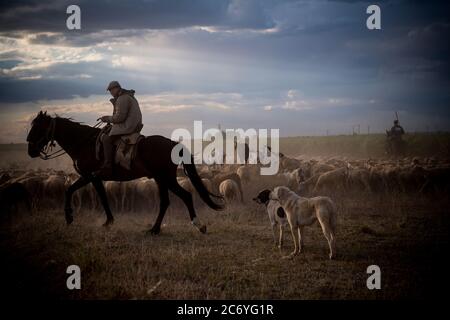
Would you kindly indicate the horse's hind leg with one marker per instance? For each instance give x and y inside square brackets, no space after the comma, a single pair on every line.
[98,185]
[187,199]
[163,204]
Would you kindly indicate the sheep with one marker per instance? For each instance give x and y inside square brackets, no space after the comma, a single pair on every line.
[320,168]
[248,172]
[229,190]
[54,188]
[306,187]
[335,180]
[218,178]
[34,185]
[146,194]
[289,164]
[358,178]
[114,192]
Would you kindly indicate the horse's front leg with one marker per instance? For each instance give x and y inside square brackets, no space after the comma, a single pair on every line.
[81,182]
[98,185]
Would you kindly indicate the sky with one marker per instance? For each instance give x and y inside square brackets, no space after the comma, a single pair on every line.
[304,67]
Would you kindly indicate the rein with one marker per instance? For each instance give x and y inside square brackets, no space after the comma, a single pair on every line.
[50,136]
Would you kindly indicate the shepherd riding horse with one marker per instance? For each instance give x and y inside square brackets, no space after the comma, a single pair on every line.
[153,160]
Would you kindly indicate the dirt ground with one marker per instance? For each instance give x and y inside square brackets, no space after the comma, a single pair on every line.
[405,235]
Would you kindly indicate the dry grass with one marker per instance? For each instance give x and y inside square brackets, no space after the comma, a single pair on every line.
[407,236]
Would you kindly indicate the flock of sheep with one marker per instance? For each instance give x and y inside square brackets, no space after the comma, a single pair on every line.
[44,189]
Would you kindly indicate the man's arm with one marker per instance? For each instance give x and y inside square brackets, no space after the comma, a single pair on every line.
[121,110]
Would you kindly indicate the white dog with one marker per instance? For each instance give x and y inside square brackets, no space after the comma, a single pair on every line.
[301,212]
[276,213]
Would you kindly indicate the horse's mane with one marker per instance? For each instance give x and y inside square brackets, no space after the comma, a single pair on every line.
[69,123]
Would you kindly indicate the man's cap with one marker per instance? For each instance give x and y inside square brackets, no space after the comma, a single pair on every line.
[113,84]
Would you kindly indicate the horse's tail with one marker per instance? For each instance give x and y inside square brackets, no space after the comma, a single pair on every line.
[191,172]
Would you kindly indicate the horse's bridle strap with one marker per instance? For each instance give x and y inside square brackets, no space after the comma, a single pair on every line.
[50,137]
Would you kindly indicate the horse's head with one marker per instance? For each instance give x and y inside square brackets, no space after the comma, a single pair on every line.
[39,135]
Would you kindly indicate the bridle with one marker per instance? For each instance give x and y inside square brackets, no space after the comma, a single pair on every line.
[48,147]
[45,152]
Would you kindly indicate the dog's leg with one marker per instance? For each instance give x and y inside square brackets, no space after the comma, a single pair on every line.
[301,236]
[294,237]
[328,235]
[274,226]
[280,240]
[332,245]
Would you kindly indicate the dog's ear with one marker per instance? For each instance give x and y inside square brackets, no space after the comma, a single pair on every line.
[263,195]
[266,194]
[282,192]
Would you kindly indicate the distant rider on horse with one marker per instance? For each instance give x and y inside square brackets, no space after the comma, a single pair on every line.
[395,144]
[126,119]
[397,131]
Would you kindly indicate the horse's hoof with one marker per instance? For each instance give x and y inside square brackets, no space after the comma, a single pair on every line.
[108,223]
[69,220]
[154,231]
[202,229]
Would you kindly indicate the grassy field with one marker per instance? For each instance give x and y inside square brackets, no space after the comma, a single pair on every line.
[406,236]
[357,146]
[365,146]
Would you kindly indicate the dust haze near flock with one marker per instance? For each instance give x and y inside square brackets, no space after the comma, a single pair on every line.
[302,66]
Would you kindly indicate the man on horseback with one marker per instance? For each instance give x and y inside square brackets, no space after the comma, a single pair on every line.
[395,144]
[126,119]
[397,131]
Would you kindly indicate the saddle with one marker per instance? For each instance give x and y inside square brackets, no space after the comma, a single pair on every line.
[125,147]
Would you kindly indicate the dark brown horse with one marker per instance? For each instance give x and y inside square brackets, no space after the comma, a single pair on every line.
[153,160]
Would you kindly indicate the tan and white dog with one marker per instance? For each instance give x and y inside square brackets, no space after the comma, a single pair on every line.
[301,212]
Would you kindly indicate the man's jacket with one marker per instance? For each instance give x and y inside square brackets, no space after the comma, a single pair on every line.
[397,131]
[127,116]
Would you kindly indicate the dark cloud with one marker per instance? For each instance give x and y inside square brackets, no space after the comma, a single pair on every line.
[321,49]
[8,64]
[136,14]
[13,90]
